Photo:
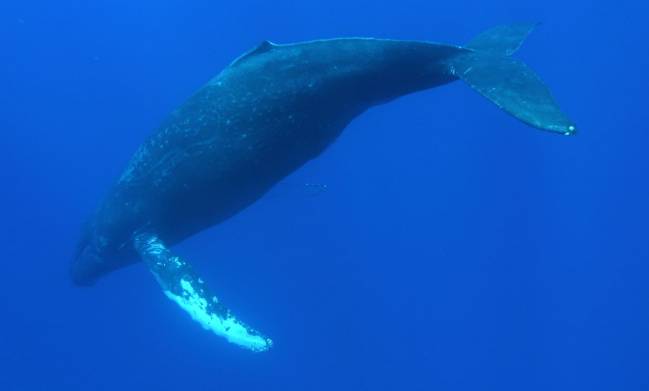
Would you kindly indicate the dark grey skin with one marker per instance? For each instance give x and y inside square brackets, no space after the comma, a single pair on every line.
[269,112]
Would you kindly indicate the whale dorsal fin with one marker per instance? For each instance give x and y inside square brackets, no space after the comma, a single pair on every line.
[263,47]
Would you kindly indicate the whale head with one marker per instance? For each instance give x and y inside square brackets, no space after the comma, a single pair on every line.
[100,251]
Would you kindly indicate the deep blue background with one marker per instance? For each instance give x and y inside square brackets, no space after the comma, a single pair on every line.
[456,248]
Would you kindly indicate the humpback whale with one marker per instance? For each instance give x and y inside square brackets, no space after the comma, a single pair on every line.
[269,112]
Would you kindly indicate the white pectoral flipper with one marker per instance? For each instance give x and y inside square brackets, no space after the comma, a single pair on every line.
[181,284]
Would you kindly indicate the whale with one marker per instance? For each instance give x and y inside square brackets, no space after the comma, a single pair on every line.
[269,112]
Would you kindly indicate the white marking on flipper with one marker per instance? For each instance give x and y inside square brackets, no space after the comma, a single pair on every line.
[181,284]
[228,327]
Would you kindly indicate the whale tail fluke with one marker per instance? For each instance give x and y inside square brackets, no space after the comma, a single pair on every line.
[181,284]
[488,68]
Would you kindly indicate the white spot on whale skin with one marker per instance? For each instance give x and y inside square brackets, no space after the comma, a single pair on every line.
[228,326]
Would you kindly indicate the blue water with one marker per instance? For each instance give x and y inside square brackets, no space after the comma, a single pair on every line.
[454,249]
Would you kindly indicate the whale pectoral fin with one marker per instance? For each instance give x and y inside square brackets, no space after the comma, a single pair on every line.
[181,284]
[513,87]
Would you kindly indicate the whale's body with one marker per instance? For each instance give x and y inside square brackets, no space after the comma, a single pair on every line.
[269,112]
